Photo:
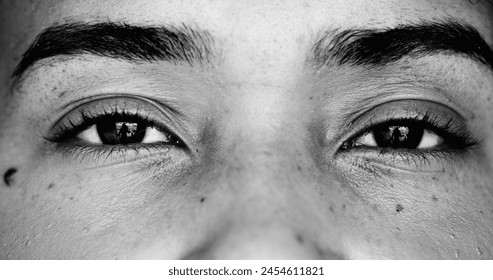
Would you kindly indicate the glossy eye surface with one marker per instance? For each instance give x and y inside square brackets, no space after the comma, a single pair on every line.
[405,136]
[121,131]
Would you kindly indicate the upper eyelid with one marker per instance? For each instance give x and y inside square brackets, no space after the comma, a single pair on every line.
[401,109]
[154,112]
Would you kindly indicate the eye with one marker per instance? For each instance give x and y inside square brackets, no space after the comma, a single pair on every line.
[419,133]
[399,136]
[117,122]
[124,130]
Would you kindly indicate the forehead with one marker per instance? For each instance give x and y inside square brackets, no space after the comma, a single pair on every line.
[249,28]
[225,17]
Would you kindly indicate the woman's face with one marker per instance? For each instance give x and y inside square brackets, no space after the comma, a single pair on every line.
[246,129]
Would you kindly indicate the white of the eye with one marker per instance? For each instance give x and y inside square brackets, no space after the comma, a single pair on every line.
[90,135]
[153,135]
[367,139]
[429,140]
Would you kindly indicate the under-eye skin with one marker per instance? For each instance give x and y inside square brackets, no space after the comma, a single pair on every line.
[115,125]
[413,131]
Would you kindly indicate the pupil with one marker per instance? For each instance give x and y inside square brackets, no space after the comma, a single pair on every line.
[394,136]
[113,132]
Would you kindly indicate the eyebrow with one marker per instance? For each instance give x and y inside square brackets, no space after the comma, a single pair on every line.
[379,47]
[119,41]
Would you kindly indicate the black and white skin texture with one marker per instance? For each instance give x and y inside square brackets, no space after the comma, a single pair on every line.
[335,129]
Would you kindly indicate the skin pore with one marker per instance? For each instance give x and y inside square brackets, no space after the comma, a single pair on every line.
[261,152]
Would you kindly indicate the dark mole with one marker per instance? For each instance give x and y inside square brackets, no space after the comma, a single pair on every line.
[51,185]
[299,239]
[202,199]
[399,208]
[434,198]
[481,212]
[8,177]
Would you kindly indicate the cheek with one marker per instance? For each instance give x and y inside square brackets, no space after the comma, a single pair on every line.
[422,215]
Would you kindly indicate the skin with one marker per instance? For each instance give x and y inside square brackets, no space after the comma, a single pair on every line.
[264,177]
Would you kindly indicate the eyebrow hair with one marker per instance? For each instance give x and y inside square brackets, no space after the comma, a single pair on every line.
[119,41]
[378,47]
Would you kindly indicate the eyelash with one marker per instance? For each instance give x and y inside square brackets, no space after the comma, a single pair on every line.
[67,130]
[457,139]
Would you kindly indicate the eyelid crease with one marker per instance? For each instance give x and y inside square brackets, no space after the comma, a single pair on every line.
[171,124]
[441,120]
[409,107]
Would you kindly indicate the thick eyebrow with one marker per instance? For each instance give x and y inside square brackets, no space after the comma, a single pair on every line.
[373,47]
[119,41]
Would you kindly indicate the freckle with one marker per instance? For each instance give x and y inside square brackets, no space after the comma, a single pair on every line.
[344,207]
[399,208]
[457,254]
[61,94]
[478,250]
[299,168]
[202,199]
[434,178]
[434,198]
[311,97]
[452,236]
[71,198]
[331,209]
[8,177]
[51,185]
[481,212]
[299,238]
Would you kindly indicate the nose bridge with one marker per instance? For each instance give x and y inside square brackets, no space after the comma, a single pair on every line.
[268,157]
[261,175]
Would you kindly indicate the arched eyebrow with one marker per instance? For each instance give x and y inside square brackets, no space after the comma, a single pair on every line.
[119,41]
[374,47]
